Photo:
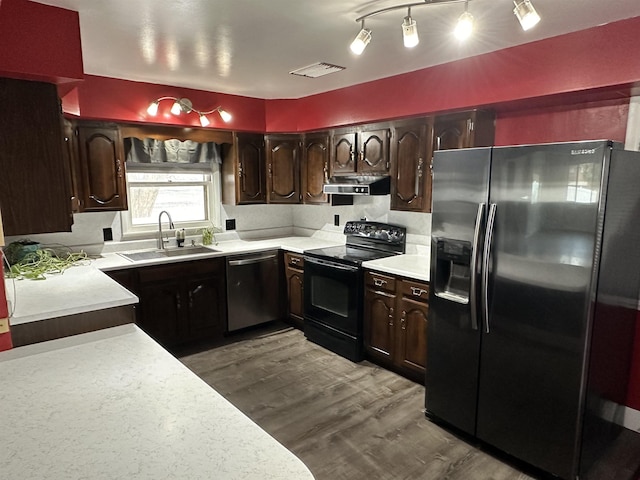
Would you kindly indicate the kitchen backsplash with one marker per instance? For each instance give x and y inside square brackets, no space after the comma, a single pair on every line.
[258,221]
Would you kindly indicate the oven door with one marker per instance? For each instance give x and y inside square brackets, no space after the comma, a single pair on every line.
[332,295]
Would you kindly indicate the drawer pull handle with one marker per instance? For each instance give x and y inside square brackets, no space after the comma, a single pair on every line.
[418,291]
[295,260]
[378,282]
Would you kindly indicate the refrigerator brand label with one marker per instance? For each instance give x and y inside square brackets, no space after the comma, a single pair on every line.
[584,151]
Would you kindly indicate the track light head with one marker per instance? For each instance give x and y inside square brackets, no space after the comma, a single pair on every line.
[410,31]
[226,116]
[361,41]
[527,15]
[152,109]
[464,27]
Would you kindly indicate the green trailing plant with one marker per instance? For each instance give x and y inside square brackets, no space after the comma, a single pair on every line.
[36,264]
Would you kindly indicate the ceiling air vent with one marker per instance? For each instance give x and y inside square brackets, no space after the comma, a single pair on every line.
[317,70]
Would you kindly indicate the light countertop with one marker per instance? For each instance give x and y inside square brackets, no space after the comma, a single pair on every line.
[412,266]
[85,288]
[79,289]
[113,404]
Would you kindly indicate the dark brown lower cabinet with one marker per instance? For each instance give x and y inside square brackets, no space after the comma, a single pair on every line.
[395,323]
[294,273]
[179,302]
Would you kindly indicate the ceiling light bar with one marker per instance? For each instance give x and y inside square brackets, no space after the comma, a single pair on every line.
[524,10]
[184,105]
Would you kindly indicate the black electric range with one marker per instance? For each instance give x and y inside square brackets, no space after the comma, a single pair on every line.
[334,285]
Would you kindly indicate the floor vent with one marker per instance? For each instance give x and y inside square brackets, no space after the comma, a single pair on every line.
[317,70]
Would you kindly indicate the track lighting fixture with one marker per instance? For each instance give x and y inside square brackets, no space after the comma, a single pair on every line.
[527,15]
[361,41]
[524,10]
[184,105]
[464,27]
[410,31]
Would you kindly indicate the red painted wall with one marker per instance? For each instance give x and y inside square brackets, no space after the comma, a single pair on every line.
[583,121]
[39,42]
[589,60]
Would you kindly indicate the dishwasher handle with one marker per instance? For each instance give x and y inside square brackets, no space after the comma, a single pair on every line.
[252,260]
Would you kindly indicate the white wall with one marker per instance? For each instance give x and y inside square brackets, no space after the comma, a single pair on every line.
[256,221]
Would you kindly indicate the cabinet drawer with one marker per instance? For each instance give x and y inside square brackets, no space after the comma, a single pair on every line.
[294,260]
[416,290]
[380,281]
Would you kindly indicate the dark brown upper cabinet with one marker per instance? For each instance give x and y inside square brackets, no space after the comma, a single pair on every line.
[343,153]
[411,151]
[283,168]
[464,130]
[363,150]
[373,150]
[35,187]
[315,168]
[103,184]
[244,170]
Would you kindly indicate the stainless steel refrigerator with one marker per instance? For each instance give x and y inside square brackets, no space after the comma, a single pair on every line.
[535,273]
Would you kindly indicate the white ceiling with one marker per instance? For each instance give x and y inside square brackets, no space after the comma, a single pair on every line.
[248,47]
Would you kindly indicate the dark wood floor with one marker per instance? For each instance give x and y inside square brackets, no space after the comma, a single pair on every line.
[343,420]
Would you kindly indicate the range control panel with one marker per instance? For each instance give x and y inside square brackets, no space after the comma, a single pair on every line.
[375,232]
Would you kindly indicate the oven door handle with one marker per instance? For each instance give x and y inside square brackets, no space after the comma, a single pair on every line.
[335,265]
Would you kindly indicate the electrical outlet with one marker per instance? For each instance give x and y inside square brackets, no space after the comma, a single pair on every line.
[107,234]
[4,325]
[336,220]
[230,224]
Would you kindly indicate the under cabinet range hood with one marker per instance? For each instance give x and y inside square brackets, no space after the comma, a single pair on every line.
[358,185]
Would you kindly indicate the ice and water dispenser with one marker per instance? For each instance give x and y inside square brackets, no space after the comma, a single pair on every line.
[453,270]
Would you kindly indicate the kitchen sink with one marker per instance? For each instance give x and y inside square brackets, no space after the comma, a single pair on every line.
[166,253]
[178,252]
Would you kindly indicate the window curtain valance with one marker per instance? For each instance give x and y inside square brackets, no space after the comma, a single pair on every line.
[173,151]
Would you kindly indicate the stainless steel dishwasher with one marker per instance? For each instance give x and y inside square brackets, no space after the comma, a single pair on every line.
[253,289]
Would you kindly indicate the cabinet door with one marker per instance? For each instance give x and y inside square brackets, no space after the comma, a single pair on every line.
[343,153]
[295,295]
[379,324]
[103,171]
[34,184]
[283,169]
[410,159]
[411,350]
[205,303]
[73,162]
[250,173]
[464,130]
[160,312]
[315,168]
[373,148]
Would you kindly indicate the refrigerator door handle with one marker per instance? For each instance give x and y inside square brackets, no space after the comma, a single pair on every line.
[474,267]
[485,265]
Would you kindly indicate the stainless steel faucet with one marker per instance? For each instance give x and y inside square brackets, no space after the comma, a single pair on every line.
[162,241]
